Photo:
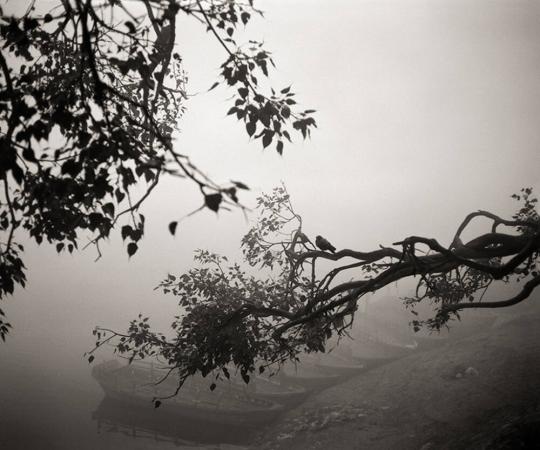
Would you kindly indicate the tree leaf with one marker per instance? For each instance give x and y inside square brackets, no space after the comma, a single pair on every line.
[287,135]
[172,227]
[267,138]
[240,185]
[231,192]
[250,128]
[108,209]
[212,386]
[157,404]
[212,201]
[119,195]
[126,231]
[243,91]
[71,167]
[29,155]
[90,358]
[132,249]
[245,17]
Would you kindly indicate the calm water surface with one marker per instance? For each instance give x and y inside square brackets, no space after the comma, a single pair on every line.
[51,401]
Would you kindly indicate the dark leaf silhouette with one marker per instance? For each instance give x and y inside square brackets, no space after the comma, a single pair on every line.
[172,227]
[212,201]
[267,138]
[108,209]
[240,185]
[275,306]
[250,128]
[132,249]
[126,231]
[79,60]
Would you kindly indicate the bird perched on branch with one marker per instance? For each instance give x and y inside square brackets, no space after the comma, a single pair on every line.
[324,245]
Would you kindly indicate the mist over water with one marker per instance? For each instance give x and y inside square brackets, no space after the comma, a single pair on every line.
[428,110]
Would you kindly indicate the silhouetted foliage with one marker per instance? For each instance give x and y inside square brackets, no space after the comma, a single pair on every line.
[292,303]
[90,97]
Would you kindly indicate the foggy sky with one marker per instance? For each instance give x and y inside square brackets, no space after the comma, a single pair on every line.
[427,110]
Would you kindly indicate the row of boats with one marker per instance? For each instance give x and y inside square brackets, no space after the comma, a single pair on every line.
[233,404]
[233,411]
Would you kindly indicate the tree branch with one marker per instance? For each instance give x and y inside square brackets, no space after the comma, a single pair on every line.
[528,288]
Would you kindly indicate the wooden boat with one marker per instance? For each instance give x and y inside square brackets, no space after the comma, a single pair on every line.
[307,375]
[135,386]
[373,353]
[319,371]
[265,388]
[286,394]
[162,425]
[334,364]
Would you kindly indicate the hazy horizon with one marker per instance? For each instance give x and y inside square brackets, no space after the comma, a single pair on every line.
[427,111]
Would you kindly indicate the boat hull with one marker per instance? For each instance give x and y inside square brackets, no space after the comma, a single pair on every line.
[163,425]
[229,408]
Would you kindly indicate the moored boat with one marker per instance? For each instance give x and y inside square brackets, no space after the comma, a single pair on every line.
[135,386]
[334,364]
[162,425]
[372,353]
[288,395]
[307,375]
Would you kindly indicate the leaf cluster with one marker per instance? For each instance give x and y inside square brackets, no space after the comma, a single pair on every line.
[90,99]
[230,319]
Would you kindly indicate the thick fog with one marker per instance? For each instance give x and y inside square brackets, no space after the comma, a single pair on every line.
[427,110]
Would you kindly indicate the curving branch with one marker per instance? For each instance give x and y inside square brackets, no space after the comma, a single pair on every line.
[528,288]
[293,305]
[108,79]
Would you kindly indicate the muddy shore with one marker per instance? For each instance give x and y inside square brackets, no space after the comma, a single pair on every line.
[477,392]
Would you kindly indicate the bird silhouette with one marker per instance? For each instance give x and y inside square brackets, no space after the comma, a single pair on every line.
[324,245]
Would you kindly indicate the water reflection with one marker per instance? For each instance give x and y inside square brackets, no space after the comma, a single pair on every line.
[162,425]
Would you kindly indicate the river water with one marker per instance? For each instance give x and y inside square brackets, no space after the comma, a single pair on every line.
[47,405]
[48,398]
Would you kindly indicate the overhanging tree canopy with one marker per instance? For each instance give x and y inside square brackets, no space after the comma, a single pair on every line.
[90,97]
[295,304]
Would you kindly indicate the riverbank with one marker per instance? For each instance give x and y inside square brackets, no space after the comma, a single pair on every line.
[477,392]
